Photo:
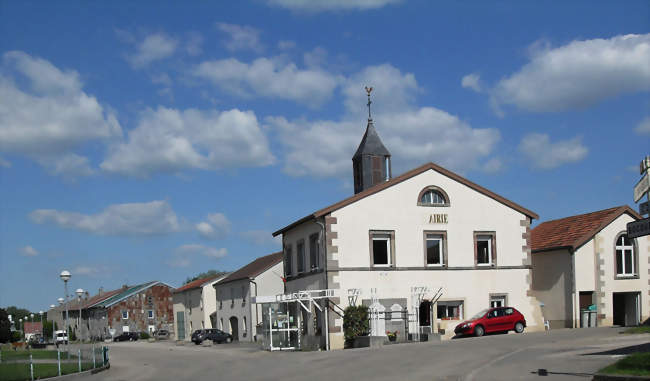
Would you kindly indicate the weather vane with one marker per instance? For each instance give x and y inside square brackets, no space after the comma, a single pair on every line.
[369,90]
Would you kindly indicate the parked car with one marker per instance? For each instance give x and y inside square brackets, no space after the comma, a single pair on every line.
[199,335]
[218,336]
[61,337]
[161,334]
[127,336]
[500,319]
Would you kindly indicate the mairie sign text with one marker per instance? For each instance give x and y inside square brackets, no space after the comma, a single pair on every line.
[438,219]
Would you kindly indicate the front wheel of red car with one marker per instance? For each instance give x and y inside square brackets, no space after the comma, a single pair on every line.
[519,327]
[478,331]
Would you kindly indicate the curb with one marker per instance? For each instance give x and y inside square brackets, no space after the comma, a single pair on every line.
[618,377]
[80,374]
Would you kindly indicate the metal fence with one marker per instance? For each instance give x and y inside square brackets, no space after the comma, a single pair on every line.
[17,363]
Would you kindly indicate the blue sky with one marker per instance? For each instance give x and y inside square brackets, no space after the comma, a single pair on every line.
[152,141]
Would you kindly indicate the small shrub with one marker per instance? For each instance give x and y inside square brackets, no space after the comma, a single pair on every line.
[144,336]
[356,322]
[16,336]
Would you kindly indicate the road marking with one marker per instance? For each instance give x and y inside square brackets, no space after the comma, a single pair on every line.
[473,373]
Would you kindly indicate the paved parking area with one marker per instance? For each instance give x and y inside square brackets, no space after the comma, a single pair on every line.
[566,354]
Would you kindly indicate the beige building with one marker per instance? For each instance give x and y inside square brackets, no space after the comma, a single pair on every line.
[427,248]
[587,262]
[195,307]
[236,314]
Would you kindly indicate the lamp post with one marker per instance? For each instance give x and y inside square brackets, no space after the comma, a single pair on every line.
[52,307]
[42,326]
[31,319]
[20,323]
[65,277]
[79,292]
[61,300]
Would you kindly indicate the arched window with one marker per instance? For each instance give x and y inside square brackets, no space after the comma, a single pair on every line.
[625,257]
[433,196]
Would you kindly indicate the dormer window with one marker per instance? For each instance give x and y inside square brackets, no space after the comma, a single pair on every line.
[433,196]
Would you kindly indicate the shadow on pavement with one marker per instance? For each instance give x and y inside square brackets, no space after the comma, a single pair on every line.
[545,372]
[624,351]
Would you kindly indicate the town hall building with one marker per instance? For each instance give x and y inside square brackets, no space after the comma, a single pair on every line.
[424,250]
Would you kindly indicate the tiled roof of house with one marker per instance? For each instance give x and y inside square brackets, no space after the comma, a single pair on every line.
[197,283]
[405,176]
[33,327]
[100,297]
[573,232]
[254,268]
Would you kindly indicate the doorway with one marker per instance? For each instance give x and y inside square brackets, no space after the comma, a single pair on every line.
[626,308]
[425,313]
[234,328]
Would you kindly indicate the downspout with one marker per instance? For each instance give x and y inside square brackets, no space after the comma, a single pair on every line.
[321,238]
[574,296]
[257,317]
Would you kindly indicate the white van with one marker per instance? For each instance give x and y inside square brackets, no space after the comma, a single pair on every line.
[61,337]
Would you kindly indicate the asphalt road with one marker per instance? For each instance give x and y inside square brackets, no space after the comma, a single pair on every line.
[565,354]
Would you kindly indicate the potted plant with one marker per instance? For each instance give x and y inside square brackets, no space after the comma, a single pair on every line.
[392,336]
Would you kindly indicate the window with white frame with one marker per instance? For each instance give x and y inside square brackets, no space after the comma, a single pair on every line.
[625,257]
[497,301]
[125,314]
[300,254]
[450,310]
[434,249]
[433,197]
[381,249]
[484,246]
[150,314]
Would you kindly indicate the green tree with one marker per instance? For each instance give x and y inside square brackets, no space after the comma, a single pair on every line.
[48,329]
[73,335]
[18,313]
[5,327]
[356,322]
[207,274]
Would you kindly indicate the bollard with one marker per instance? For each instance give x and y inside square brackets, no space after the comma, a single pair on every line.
[31,367]
[58,360]
[93,356]
[79,358]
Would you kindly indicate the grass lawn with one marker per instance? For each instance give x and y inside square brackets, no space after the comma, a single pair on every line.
[37,354]
[639,329]
[637,364]
[20,372]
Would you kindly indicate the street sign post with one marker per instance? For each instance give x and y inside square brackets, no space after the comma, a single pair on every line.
[638,228]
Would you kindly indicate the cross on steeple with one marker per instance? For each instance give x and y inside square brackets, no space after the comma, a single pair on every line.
[369,90]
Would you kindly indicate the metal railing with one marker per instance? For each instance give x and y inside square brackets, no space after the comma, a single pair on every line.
[30,364]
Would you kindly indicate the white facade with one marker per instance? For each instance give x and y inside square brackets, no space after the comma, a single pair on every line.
[194,309]
[235,313]
[594,269]
[395,215]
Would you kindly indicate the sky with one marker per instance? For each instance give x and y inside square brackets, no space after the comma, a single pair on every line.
[152,140]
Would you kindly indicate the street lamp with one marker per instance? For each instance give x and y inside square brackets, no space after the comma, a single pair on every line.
[79,292]
[42,326]
[20,323]
[65,277]
[52,307]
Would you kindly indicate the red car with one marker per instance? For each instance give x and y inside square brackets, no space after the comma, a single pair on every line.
[500,319]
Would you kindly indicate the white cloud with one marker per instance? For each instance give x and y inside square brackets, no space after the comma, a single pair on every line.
[93,270]
[183,254]
[194,43]
[28,251]
[413,135]
[541,153]
[472,81]
[261,238]
[579,74]
[643,128]
[169,140]
[315,58]
[331,5]
[153,47]
[133,219]
[286,44]
[269,78]
[51,118]
[241,37]
[216,225]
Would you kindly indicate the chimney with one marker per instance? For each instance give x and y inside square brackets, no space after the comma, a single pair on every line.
[124,287]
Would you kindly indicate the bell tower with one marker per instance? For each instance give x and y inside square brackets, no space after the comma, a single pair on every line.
[371,163]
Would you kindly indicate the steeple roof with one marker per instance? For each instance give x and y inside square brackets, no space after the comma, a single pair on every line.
[371,143]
